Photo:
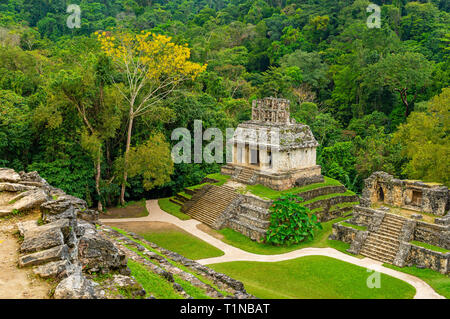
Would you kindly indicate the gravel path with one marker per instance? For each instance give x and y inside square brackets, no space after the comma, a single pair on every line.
[423,290]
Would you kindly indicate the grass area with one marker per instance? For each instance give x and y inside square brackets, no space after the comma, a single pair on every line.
[166,205]
[313,277]
[343,205]
[219,177]
[320,240]
[354,226]
[131,209]
[191,290]
[174,263]
[222,179]
[439,282]
[183,243]
[316,199]
[268,193]
[152,283]
[431,247]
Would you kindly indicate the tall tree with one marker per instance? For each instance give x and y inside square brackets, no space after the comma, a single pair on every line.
[153,67]
[426,141]
[407,74]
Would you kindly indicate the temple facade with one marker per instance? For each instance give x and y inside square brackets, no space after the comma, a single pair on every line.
[272,149]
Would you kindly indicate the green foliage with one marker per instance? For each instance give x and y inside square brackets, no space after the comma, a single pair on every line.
[152,161]
[289,222]
[426,141]
[61,110]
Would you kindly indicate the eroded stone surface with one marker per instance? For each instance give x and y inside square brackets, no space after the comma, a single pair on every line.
[99,254]
[40,240]
[56,269]
[45,256]
[76,286]
[9,175]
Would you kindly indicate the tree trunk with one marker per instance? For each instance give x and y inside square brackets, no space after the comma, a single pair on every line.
[97,179]
[125,164]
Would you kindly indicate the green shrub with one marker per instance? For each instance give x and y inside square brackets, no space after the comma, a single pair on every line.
[290,222]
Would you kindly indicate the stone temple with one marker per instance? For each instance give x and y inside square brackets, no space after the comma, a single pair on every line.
[401,222]
[273,152]
[272,149]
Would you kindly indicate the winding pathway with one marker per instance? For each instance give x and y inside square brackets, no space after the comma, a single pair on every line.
[156,214]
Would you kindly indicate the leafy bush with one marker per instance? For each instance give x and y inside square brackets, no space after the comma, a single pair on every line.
[290,222]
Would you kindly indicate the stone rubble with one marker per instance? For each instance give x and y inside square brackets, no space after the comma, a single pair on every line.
[69,245]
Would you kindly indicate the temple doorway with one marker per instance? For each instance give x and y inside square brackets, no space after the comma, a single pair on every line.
[380,194]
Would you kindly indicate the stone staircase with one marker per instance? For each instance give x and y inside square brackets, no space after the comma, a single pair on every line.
[244,176]
[383,244]
[252,221]
[212,204]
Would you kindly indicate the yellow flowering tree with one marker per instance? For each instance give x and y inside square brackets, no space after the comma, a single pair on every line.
[153,66]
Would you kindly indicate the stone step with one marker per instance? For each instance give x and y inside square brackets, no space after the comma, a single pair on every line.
[394,219]
[175,201]
[190,191]
[252,232]
[384,250]
[212,204]
[379,251]
[181,198]
[391,227]
[250,220]
[45,256]
[386,237]
[385,244]
[388,232]
[376,256]
[255,211]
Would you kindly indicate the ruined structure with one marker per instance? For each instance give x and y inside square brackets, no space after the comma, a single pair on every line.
[414,195]
[272,149]
[68,245]
[400,233]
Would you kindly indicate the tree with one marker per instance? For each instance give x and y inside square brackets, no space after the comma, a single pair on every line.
[83,89]
[314,70]
[426,141]
[406,74]
[153,67]
[155,169]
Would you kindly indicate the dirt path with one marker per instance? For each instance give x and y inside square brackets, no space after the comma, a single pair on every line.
[16,283]
[423,290]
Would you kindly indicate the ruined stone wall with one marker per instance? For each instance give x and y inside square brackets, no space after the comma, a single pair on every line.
[432,234]
[289,179]
[65,244]
[414,195]
[343,233]
[423,257]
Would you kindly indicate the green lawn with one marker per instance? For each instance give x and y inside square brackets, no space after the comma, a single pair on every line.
[316,199]
[219,177]
[439,282]
[431,247]
[166,205]
[313,277]
[153,284]
[222,179]
[183,243]
[268,193]
[320,240]
[354,226]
